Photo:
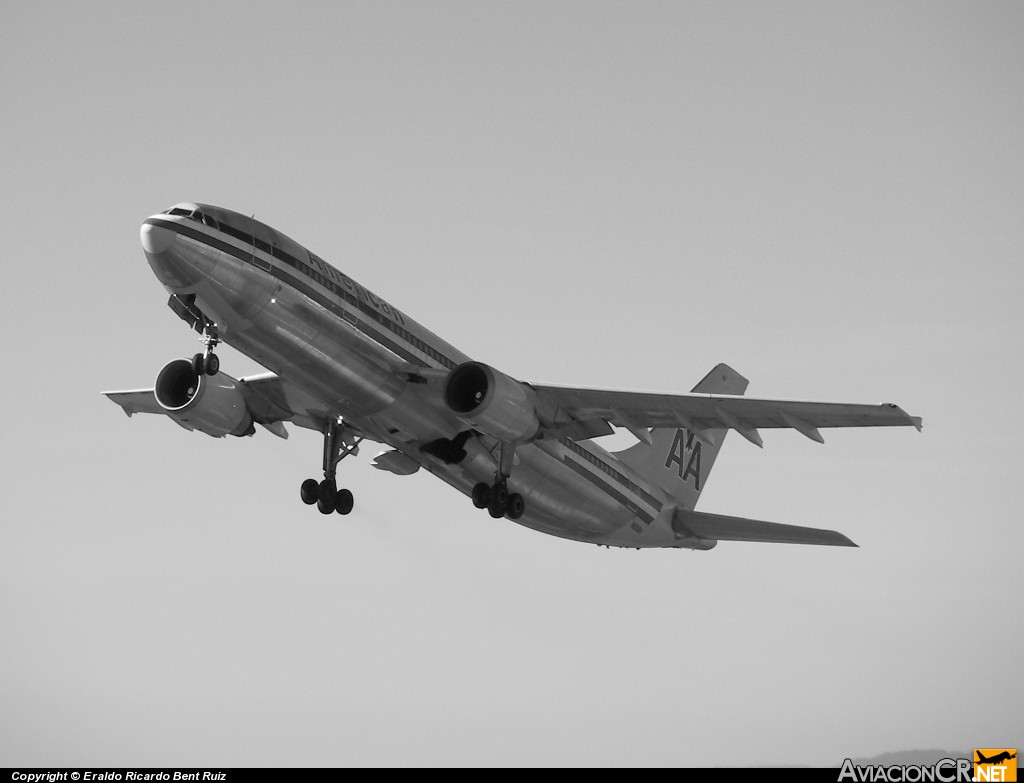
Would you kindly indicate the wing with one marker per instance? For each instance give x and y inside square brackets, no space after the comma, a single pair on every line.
[136,401]
[701,413]
[266,399]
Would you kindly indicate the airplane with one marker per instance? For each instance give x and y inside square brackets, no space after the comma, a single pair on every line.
[351,366]
[996,759]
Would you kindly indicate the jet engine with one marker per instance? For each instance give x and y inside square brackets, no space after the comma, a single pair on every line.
[213,404]
[492,402]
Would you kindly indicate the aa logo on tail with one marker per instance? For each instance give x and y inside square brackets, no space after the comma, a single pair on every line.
[995,764]
[685,452]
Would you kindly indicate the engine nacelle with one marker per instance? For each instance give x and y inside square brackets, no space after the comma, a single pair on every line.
[209,403]
[492,402]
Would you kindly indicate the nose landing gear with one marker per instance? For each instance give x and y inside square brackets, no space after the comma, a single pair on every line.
[339,442]
[207,362]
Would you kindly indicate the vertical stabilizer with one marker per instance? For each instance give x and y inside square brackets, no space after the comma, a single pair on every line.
[679,459]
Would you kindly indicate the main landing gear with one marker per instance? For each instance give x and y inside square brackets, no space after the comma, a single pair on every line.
[207,363]
[495,497]
[498,500]
[339,442]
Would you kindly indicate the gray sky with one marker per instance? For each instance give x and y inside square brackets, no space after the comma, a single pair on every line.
[827,196]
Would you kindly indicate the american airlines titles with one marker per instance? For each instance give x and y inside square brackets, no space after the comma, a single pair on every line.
[685,450]
[354,287]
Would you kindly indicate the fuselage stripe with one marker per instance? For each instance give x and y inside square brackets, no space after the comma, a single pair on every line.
[301,282]
[608,489]
[605,467]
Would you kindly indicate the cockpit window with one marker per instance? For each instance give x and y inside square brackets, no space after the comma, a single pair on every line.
[193,214]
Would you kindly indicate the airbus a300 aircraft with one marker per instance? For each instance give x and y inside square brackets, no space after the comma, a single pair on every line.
[348,364]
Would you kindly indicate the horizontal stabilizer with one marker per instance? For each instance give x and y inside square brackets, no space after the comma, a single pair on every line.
[722,528]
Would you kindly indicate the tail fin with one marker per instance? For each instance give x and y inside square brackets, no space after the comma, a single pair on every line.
[680,460]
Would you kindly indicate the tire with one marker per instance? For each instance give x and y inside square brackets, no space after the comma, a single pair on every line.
[324,508]
[310,491]
[344,501]
[498,496]
[197,364]
[212,364]
[480,493]
[327,492]
[516,505]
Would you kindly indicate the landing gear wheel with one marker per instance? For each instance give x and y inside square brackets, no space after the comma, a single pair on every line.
[310,491]
[344,501]
[197,364]
[327,493]
[498,495]
[497,499]
[516,505]
[211,364]
[480,494]
[340,441]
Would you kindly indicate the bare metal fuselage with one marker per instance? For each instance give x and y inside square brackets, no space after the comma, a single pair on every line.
[340,350]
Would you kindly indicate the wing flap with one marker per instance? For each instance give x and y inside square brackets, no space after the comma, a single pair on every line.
[718,527]
[265,398]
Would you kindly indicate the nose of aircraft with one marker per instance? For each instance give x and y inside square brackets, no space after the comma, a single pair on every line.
[155,240]
[167,265]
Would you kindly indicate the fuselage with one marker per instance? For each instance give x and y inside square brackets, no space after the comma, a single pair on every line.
[344,351]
